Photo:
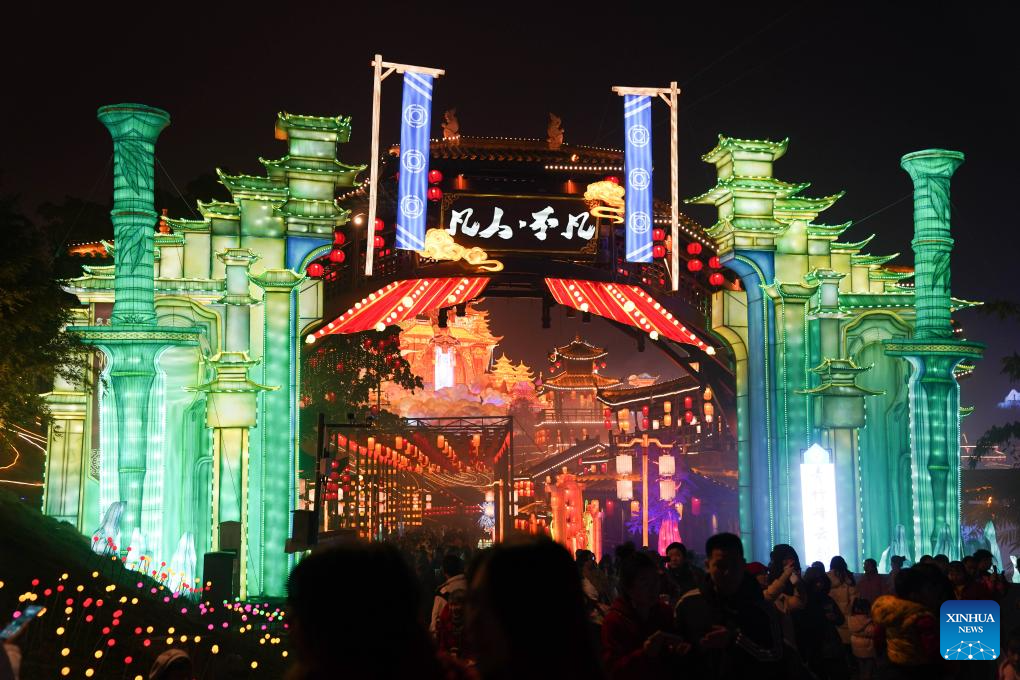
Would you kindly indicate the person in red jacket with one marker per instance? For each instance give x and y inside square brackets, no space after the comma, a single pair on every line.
[638,637]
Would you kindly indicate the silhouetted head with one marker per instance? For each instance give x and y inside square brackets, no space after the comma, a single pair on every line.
[677,555]
[724,562]
[452,565]
[365,582]
[526,613]
[870,567]
[781,556]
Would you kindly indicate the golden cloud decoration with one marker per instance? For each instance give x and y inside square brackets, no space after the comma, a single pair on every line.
[439,245]
[611,195]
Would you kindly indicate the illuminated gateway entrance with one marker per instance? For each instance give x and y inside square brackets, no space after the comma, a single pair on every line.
[534,218]
[803,362]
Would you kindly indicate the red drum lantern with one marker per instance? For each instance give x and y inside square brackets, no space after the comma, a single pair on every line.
[315,270]
[716,279]
[658,234]
[337,256]
[658,252]
[714,262]
[434,194]
[380,242]
[611,178]
[338,238]
[435,177]
[694,265]
[688,403]
[379,224]
[693,248]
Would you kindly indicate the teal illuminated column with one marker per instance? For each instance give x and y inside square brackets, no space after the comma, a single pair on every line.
[274,427]
[934,354]
[134,128]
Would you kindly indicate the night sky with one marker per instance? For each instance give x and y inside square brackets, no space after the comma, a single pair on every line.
[854,88]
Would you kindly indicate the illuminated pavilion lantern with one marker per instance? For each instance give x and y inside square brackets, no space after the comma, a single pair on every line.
[667,465]
[574,390]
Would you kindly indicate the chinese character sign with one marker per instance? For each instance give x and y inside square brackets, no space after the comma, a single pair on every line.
[637,118]
[536,224]
[416,115]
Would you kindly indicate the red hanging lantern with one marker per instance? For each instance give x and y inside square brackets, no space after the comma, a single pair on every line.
[607,412]
[644,424]
[434,193]
[693,248]
[688,402]
[435,177]
[611,178]
[603,364]
[714,263]
[658,234]
[315,270]
[688,417]
[379,224]
[337,256]
[380,242]
[658,252]
[338,238]
[694,265]
[645,410]
[716,279]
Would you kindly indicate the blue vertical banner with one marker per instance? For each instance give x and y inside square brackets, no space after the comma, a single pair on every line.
[415,120]
[637,164]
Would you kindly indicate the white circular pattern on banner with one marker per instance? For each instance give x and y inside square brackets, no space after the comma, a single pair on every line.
[416,116]
[412,207]
[413,161]
[639,178]
[638,135]
[639,222]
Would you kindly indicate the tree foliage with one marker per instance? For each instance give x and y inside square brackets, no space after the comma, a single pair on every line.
[33,309]
[343,373]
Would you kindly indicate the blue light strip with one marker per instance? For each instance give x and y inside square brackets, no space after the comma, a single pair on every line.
[415,120]
[637,118]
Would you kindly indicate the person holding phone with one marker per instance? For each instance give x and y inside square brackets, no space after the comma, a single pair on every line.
[10,660]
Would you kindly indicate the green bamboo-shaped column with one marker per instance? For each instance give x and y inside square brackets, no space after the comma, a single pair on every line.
[934,355]
[134,128]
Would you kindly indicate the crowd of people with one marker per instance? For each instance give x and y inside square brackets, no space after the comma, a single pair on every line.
[526,608]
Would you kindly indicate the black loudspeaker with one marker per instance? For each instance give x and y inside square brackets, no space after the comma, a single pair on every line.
[221,575]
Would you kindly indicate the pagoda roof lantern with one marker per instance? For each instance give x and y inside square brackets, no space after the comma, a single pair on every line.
[579,350]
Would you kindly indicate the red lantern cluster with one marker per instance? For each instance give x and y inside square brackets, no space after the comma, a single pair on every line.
[658,247]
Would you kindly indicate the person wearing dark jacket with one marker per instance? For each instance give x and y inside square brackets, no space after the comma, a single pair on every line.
[734,631]
[817,627]
[638,639]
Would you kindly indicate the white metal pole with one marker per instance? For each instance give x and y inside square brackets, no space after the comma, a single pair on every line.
[674,162]
[373,172]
